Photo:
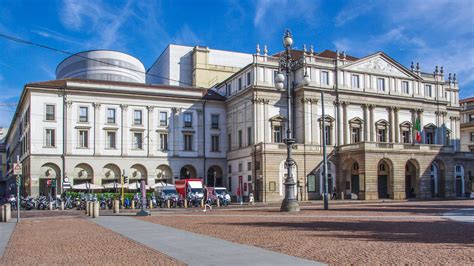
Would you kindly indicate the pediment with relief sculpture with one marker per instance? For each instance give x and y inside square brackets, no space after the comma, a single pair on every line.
[379,64]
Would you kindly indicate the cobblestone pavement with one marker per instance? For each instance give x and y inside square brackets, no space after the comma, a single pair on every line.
[74,240]
[380,233]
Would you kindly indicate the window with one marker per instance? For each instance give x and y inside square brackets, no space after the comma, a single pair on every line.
[163,119]
[274,75]
[382,135]
[277,134]
[240,83]
[229,89]
[249,166]
[471,117]
[163,141]
[328,135]
[83,139]
[229,142]
[382,167]
[406,136]
[355,135]
[215,121]
[215,143]
[110,115]
[240,138]
[448,138]
[248,79]
[429,135]
[325,78]
[405,88]
[83,114]
[355,81]
[50,112]
[111,140]
[240,167]
[137,117]
[50,137]
[249,136]
[229,168]
[472,136]
[188,142]
[137,141]
[381,84]
[428,91]
[188,120]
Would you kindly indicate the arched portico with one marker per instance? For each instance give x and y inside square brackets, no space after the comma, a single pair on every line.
[187,171]
[385,179]
[214,176]
[412,175]
[459,180]
[49,172]
[164,174]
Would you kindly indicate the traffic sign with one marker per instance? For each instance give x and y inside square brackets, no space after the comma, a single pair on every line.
[17,169]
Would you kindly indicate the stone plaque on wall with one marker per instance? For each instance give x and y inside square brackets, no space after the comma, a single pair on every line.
[311,183]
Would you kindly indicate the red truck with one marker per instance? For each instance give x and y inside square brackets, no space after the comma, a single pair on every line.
[191,188]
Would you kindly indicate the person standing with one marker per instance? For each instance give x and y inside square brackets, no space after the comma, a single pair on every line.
[334,193]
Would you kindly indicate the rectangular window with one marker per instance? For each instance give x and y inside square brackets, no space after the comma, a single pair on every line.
[240,167]
[229,89]
[277,134]
[50,138]
[229,142]
[240,138]
[328,135]
[249,136]
[188,120]
[215,143]
[50,112]
[240,84]
[355,81]
[248,79]
[325,78]
[83,114]
[137,117]
[428,91]
[137,141]
[110,115]
[111,139]
[249,166]
[381,84]
[163,119]
[381,134]
[355,135]
[472,136]
[471,117]
[215,121]
[405,88]
[163,141]
[188,142]
[229,168]
[83,139]
[406,136]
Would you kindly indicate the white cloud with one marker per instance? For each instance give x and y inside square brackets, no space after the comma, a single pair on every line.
[186,36]
[352,11]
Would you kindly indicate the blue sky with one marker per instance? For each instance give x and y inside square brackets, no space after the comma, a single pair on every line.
[432,32]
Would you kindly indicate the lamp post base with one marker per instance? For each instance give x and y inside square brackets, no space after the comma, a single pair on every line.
[290,206]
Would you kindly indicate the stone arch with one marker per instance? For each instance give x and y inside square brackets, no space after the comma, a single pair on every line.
[385,179]
[164,174]
[283,174]
[459,180]
[110,172]
[437,181]
[138,172]
[49,171]
[214,176]
[412,178]
[83,173]
[187,171]
[351,178]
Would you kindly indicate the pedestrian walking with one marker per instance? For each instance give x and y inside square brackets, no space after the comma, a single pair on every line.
[251,199]
[334,193]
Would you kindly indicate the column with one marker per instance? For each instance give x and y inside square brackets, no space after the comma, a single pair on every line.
[413,122]
[344,121]
[314,123]
[68,128]
[96,128]
[443,123]
[420,115]
[366,122]
[397,124]
[392,124]
[307,114]
[457,144]
[175,132]
[266,122]
[124,129]
[371,123]
[199,132]
[150,148]
[339,130]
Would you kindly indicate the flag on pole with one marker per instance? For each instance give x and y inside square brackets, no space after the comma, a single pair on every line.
[418,130]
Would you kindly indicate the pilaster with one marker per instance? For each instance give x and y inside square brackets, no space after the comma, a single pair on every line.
[125,129]
[151,146]
[97,128]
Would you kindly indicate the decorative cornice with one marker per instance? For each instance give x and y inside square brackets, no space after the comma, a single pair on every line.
[124,107]
[309,100]
[150,108]
[261,100]
[96,105]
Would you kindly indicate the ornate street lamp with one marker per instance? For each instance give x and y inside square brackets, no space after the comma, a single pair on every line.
[286,68]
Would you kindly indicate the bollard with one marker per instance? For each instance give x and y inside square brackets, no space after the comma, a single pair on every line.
[91,208]
[133,205]
[168,203]
[62,206]
[202,203]
[342,195]
[96,209]
[218,202]
[116,206]
[151,204]
[50,206]
[87,208]
[7,215]
[185,203]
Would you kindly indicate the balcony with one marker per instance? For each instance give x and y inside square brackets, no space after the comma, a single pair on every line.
[384,146]
[297,148]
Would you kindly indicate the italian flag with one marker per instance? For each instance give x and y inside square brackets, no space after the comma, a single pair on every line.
[418,130]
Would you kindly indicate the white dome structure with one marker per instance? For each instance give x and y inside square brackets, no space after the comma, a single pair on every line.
[102,65]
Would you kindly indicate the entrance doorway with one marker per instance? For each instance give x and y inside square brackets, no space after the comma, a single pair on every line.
[383,180]
[410,179]
[355,184]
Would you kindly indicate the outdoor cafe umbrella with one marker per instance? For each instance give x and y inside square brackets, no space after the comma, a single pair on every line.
[112,185]
[161,184]
[136,185]
[87,186]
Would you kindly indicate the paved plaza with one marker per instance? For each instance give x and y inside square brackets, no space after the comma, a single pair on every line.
[416,232]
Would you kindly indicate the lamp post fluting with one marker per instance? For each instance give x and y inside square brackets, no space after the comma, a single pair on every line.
[288,66]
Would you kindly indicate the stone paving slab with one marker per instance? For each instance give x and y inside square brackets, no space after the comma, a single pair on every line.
[6,230]
[195,249]
[462,215]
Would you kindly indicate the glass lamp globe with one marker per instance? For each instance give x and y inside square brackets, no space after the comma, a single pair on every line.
[279,85]
[287,40]
[306,79]
[279,78]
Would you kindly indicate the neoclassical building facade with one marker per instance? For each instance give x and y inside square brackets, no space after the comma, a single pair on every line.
[95,124]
